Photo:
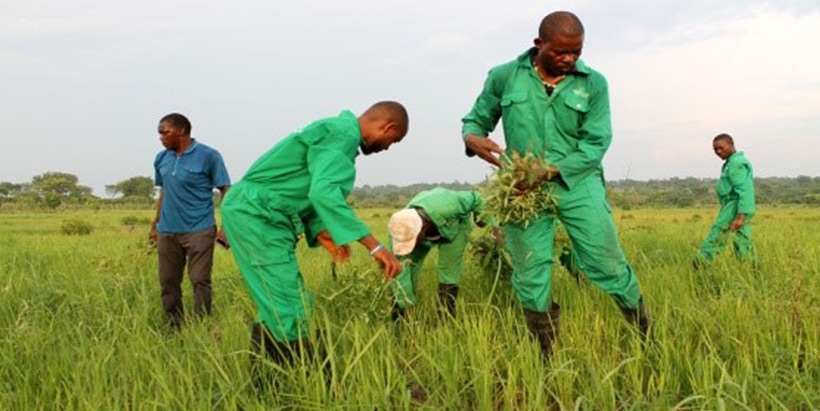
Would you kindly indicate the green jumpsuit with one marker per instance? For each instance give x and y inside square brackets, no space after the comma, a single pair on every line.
[736,193]
[303,180]
[452,214]
[571,128]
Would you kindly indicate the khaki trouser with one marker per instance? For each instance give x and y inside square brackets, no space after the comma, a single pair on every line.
[174,251]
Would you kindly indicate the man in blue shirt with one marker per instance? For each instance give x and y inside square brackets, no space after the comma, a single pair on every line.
[184,229]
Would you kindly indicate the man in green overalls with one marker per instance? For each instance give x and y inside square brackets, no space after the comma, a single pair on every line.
[557,107]
[736,192]
[303,181]
[434,218]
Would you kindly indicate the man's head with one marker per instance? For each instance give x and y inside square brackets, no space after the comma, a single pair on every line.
[723,145]
[559,43]
[405,229]
[382,125]
[173,129]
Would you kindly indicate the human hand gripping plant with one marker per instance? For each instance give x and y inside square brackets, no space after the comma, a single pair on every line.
[517,193]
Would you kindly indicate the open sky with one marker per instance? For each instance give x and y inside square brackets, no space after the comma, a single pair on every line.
[84,82]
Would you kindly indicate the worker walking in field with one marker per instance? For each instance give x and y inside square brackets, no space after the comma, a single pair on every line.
[184,228]
[736,192]
[440,218]
[303,181]
[557,108]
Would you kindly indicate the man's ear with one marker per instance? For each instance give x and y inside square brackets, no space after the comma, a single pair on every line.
[388,126]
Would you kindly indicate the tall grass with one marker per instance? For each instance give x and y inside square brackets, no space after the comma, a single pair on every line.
[81,328]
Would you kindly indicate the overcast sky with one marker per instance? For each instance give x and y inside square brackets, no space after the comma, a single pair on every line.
[84,82]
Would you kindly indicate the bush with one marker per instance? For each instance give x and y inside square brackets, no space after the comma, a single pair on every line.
[76,227]
[132,220]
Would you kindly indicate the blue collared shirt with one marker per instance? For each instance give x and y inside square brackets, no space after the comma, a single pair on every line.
[187,185]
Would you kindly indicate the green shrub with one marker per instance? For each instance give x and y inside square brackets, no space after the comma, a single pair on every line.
[132,221]
[76,227]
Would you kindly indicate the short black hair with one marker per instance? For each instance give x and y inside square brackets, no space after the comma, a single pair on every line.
[560,23]
[392,111]
[724,136]
[179,121]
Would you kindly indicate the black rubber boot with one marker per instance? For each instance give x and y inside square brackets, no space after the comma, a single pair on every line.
[283,353]
[639,317]
[396,312]
[447,295]
[544,327]
[260,340]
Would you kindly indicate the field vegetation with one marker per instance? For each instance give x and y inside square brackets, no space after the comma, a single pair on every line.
[81,327]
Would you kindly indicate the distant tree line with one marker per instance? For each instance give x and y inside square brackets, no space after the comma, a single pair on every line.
[396,196]
[689,192]
[52,190]
[673,192]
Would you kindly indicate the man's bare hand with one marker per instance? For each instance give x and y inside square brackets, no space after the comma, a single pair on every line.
[738,222]
[392,266]
[152,235]
[485,148]
[340,253]
[541,175]
[222,240]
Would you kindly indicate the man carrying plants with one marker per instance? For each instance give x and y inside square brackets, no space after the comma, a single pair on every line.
[184,229]
[302,183]
[556,109]
[736,192]
[434,218]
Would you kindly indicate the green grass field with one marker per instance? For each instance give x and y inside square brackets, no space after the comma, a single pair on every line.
[81,328]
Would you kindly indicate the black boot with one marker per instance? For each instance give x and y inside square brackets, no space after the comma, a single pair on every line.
[396,312]
[447,294]
[639,317]
[283,353]
[544,327]
[260,340]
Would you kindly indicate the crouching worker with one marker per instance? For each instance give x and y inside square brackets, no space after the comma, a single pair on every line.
[302,182]
[435,218]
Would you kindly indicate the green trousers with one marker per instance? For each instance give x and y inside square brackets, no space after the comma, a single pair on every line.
[263,242]
[587,217]
[719,235]
[450,265]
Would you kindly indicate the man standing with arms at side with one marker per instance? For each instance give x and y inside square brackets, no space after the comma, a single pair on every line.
[184,229]
[736,192]
[556,107]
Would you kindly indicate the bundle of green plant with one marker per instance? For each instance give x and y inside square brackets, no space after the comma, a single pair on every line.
[513,193]
[492,257]
[76,227]
[358,290]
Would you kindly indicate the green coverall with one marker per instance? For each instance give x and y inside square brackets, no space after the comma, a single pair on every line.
[452,214]
[571,128]
[736,193]
[304,178]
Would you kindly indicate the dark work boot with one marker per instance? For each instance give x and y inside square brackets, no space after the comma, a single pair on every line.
[447,294]
[283,353]
[544,327]
[260,339]
[639,317]
[397,312]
